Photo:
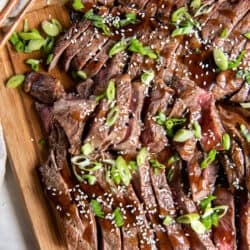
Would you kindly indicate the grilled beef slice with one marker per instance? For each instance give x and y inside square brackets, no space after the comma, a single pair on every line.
[43,87]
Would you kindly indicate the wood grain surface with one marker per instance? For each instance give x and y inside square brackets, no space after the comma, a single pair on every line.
[22,129]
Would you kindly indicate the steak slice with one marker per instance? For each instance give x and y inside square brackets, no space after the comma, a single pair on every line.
[93,67]
[243,95]
[154,135]
[131,142]
[186,206]
[166,206]
[84,89]
[46,115]
[143,188]
[75,47]
[113,69]
[88,52]
[201,181]
[66,39]
[225,234]
[43,87]
[225,16]
[72,115]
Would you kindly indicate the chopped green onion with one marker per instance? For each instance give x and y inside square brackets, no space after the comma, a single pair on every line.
[18,44]
[15,81]
[235,63]
[57,23]
[244,131]
[198,227]
[25,25]
[81,74]
[123,170]
[85,164]
[110,91]
[115,175]
[167,220]
[49,58]
[220,59]
[77,5]
[247,34]
[142,156]
[112,116]
[161,118]
[188,218]
[226,141]
[170,123]
[197,130]
[100,97]
[87,149]
[34,45]
[244,74]
[137,47]
[157,165]
[224,33]
[170,174]
[118,217]
[98,21]
[147,77]
[179,14]
[132,166]
[245,105]
[204,9]
[207,202]
[50,28]
[182,31]
[34,63]
[97,208]
[209,159]
[183,135]
[174,158]
[221,210]
[91,179]
[195,4]
[118,47]
[48,44]
[32,35]
[130,18]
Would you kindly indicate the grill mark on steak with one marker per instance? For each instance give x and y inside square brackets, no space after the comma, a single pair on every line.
[66,39]
[88,52]
[43,87]
[93,67]
[76,46]
[167,208]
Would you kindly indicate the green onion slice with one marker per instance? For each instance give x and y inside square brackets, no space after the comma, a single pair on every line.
[247,35]
[147,77]
[112,116]
[221,210]
[97,208]
[197,130]
[130,18]
[220,59]
[179,15]
[207,202]
[204,9]
[50,28]
[209,159]
[34,63]
[32,35]
[34,45]
[110,91]
[170,123]
[244,131]
[188,218]
[77,5]
[123,170]
[91,179]
[118,217]
[167,220]
[18,44]
[236,63]
[118,47]
[81,74]
[157,165]
[224,33]
[198,227]
[195,4]
[226,141]
[87,149]
[174,158]
[25,25]
[15,81]
[161,118]
[183,135]
[142,156]
[182,31]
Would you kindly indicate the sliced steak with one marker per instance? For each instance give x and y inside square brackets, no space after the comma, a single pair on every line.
[131,141]
[225,17]
[114,68]
[88,52]
[166,206]
[72,116]
[66,39]
[43,87]
[154,135]
[225,234]
[243,95]
[46,115]
[186,205]
[84,89]
[201,181]
[75,47]
[93,67]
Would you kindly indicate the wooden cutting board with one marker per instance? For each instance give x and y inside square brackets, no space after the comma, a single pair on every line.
[22,129]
